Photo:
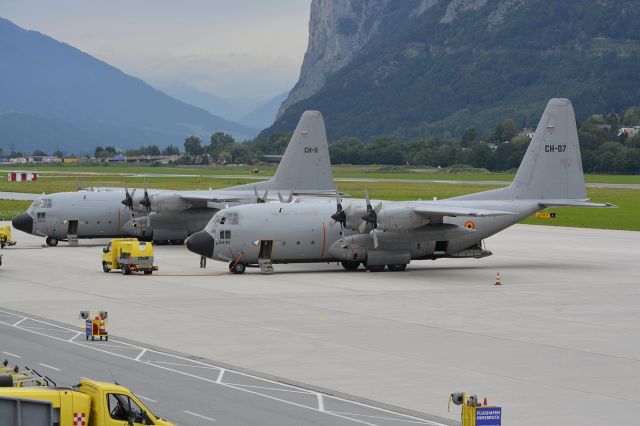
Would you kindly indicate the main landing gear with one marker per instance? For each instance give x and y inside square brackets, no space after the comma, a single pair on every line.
[237,267]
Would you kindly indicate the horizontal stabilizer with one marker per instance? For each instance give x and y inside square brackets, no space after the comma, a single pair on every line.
[573,203]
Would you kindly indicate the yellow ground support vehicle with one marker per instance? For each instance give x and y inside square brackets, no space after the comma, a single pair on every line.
[91,403]
[5,236]
[14,377]
[128,255]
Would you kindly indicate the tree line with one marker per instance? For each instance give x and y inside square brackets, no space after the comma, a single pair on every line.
[609,144]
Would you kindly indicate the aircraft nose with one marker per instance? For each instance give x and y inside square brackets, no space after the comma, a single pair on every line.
[201,243]
[23,222]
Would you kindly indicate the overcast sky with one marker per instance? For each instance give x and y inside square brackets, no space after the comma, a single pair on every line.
[232,48]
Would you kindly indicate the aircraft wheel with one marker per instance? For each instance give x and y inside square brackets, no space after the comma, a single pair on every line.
[105,267]
[397,268]
[148,272]
[350,265]
[375,268]
[126,270]
[239,268]
[51,241]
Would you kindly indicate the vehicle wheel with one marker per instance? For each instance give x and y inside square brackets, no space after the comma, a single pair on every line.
[93,337]
[397,268]
[106,338]
[86,337]
[105,267]
[149,272]
[239,268]
[126,270]
[350,265]
[375,268]
[177,242]
[51,241]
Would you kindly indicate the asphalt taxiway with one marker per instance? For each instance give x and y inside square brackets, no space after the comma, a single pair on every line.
[558,343]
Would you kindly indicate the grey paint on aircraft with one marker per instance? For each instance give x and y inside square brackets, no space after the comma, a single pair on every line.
[99,213]
[550,175]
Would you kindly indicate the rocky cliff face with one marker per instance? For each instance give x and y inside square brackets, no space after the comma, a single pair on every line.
[337,30]
[415,68]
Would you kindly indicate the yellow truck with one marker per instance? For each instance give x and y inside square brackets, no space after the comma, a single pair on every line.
[128,255]
[91,403]
[5,236]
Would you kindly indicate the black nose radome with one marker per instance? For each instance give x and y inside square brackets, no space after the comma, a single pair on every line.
[201,243]
[23,222]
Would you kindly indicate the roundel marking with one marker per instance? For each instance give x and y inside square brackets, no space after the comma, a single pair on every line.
[469,224]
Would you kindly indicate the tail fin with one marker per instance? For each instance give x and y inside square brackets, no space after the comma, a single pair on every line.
[552,167]
[305,164]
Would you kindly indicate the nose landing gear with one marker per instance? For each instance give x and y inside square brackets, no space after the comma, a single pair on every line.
[237,267]
[51,241]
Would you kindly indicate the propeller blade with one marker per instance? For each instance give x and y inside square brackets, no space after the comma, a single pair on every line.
[362,226]
[280,197]
[290,198]
[266,194]
[255,191]
[378,208]
[375,238]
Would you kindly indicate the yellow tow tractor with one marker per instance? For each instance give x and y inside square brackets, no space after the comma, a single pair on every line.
[5,236]
[91,403]
[128,255]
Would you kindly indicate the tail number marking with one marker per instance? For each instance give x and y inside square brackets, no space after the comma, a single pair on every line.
[555,148]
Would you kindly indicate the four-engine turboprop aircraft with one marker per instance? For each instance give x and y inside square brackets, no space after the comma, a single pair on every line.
[391,234]
[164,215]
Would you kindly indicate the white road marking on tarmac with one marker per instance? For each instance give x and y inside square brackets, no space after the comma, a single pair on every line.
[219,379]
[16,323]
[268,388]
[77,334]
[145,398]
[199,415]
[236,387]
[421,422]
[10,354]
[183,365]
[142,352]
[320,402]
[50,366]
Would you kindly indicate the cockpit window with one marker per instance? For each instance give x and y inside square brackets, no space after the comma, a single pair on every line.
[232,219]
[44,203]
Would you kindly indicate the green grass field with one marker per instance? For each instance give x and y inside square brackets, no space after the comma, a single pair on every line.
[342,171]
[9,208]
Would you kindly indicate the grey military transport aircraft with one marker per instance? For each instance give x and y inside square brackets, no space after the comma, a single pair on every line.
[385,233]
[165,215]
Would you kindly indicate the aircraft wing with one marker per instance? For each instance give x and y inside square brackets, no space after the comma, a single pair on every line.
[213,198]
[444,210]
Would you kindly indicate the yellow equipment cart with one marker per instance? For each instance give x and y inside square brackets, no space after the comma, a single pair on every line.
[5,236]
[95,325]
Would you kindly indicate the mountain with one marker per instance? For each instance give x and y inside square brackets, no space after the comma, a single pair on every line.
[231,109]
[54,95]
[265,114]
[420,68]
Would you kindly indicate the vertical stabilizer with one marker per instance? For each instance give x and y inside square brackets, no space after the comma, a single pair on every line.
[552,166]
[305,164]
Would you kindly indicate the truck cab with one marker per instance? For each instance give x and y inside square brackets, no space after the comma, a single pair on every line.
[91,403]
[128,255]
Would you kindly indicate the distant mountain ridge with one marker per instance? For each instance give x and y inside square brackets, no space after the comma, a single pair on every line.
[56,96]
[419,68]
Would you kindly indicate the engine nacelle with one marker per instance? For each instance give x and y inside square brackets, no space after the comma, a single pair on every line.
[400,219]
[139,227]
[167,203]
[352,247]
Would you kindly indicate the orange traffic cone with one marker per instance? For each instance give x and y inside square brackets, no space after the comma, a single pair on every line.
[498,282]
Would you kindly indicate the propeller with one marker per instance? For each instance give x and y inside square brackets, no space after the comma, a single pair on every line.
[289,198]
[262,199]
[128,198]
[146,201]
[371,218]
[340,216]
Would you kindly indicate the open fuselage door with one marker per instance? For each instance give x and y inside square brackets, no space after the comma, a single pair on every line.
[264,256]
